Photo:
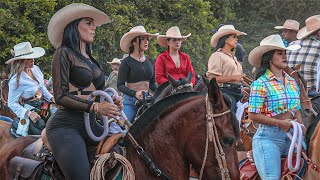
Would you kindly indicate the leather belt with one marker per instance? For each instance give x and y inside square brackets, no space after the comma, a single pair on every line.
[230,85]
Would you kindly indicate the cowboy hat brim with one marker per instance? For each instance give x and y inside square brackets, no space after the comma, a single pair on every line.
[125,42]
[36,53]
[303,32]
[255,56]
[162,39]
[215,38]
[282,27]
[70,13]
[115,61]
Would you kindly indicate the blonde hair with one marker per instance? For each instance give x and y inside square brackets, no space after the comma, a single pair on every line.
[17,67]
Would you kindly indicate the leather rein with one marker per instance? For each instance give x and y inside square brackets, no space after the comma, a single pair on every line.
[212,135]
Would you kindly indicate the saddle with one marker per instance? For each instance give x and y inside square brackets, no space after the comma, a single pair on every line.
[248,170]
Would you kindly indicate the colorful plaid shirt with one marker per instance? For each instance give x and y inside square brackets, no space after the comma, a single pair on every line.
[269,96]
[308,56]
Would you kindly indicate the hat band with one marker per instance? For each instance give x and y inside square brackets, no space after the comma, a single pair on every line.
[23,54]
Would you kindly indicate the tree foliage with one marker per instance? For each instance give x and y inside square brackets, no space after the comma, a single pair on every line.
[27,20]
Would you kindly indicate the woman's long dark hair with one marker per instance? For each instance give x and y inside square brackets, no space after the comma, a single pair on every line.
[71,38]
[221,42]
[265,63]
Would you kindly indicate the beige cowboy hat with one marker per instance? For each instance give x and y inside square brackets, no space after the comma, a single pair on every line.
[289,24]
[125,42]
[173,32]
[70,13]
[222,31]
[115,61]
[312,25]
[267,44]
[24,50]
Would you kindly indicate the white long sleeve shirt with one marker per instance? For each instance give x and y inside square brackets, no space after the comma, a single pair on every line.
[27,88]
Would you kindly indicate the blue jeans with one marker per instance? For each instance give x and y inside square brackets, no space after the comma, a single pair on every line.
[234,95]
[5,118]
[130,109]
[269,144]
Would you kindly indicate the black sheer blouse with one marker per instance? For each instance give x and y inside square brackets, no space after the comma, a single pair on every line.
[69,67]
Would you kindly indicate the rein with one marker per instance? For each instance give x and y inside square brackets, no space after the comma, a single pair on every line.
[181,87]
[297,135]
[212,135]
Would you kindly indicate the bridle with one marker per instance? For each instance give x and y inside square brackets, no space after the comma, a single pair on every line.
[181,87]
[212,135]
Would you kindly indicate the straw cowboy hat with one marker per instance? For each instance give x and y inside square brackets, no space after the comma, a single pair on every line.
[118,61]
[312,25]
[222,31]
[289,24]
[24,50]
[70,13]
[125,42]
[173,32]
[267,44]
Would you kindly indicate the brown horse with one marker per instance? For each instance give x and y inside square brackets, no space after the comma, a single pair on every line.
[5,136]
[313,140]
[176,132]
[4,91]
[173,133]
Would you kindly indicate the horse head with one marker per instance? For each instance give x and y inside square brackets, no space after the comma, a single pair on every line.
[181,85]
[226,132]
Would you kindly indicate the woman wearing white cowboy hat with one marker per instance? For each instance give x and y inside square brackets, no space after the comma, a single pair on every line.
[274,101]
[75,74]
[224,66]
[113,76]
[136,74]
[26,81]
[173,61]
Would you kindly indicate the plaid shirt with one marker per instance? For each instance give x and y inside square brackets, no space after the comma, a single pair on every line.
[269,96]
[308,56]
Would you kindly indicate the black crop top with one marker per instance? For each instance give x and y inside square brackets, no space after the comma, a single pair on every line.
[69,67]
[132,71]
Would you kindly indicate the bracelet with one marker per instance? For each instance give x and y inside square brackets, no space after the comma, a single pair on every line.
[29,113]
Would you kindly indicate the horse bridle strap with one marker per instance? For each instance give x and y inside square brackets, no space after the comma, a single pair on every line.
[212,135]
[181,87]
[155,170]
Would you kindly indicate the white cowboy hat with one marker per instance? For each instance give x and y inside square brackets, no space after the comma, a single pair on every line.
[115,61]
[222,31]
[289,24]
[312,25]
[269,43]
[24,50]
[173,32]
[70,13]
[125,42]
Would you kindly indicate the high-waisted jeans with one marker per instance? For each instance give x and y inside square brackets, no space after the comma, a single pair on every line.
[130,109]
[269,144]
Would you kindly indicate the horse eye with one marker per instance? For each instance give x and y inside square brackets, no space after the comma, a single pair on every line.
[227,141]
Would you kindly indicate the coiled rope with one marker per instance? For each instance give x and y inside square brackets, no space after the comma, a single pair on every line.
[98,171]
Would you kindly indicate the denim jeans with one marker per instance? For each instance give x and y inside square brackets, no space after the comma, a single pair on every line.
[269,144]
[5,118]
[130,109]
[234,95]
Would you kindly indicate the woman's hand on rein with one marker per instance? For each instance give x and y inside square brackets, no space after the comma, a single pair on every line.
[118,102]
[284,124]
[139,95]
[108,109]
[34,116]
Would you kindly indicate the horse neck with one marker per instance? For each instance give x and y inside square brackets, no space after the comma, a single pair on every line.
[165,140]
[166,92]
[313,153]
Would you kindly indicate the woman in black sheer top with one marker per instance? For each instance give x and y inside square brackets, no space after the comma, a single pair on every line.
[75,74]
[136,73]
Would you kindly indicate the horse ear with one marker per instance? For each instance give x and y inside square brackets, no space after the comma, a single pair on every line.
[172,81]
[205,80]
[214,93]
[189,77]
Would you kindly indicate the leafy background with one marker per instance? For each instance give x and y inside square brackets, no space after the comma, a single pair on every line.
[27,20]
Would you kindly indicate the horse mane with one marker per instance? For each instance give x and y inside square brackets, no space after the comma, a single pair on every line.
[234,121]
[153,112]
[312,127]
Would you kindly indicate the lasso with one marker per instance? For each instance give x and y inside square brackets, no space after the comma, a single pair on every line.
[103,96]
[297,134]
